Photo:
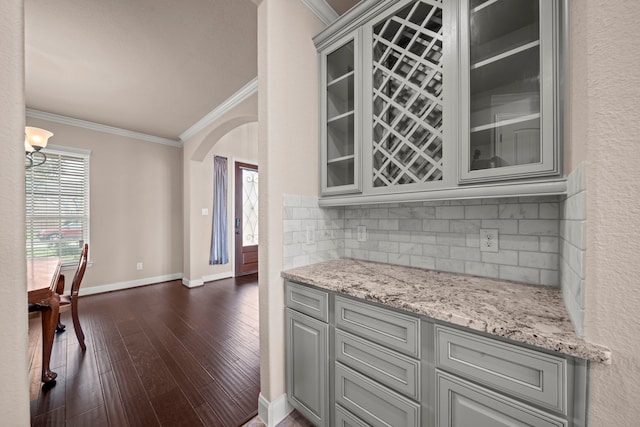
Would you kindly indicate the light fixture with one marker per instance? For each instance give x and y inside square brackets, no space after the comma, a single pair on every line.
[35,139]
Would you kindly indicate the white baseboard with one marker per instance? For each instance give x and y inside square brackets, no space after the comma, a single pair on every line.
[218,276]
[129,284]
[271,413]
[192,283]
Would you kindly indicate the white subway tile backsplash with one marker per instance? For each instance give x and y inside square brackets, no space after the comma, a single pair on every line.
[504,226]
[549,244]
[410,225]
[465,225]
[482,269]
[388,224]
[503,256]
[467,254]
[518,211]
[441,235]
[413,212]
[422,262]
[572,247]
[410,248]
[575,207]
[426,238]
[473,240]
[451,239]
[378,256]
[518,243]
[400,259]
[450,265]
[389,247]
[538,260]
[436,251]
[436,225]
[481,212]
[450,212]
[549,277]
[542,227]
[549,211]
[520,274]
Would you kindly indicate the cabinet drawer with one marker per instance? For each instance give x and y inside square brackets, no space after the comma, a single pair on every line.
[345,418]
[375,404]
[389,328]
[461,404]
[535,377]
[388,367]
[310,301]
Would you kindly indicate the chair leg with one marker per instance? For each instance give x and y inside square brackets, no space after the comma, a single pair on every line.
[76,325]
[60,327]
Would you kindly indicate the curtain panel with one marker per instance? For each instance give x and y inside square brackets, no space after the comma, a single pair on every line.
[219,234]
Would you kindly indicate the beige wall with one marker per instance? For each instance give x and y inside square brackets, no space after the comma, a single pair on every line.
[14,387]
[196,151]
[135,204]
[240,144]
[288,114]
[606,52]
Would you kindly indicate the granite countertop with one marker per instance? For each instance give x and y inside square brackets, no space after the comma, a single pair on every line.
[530,314]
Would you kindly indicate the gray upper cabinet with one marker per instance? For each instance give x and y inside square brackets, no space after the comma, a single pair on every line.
[509,91]
[432,99]
[340,116]
[403,107]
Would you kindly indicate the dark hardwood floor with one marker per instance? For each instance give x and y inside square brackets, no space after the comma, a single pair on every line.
[156,355]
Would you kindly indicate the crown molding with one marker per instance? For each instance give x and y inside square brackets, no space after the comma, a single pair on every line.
[101,128]
[322,10]
[243,93]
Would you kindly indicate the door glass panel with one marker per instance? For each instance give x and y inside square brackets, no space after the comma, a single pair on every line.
[407,96]
[249,207]
[504,83]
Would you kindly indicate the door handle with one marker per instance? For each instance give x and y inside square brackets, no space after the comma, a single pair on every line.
[237,225]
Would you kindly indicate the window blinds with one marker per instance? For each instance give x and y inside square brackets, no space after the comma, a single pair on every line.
[57,206]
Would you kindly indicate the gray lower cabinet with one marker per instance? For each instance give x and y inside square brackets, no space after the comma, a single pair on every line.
[352,363]
[460,403]
[307,366]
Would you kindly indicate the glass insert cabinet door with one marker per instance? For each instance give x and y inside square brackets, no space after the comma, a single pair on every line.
[405,104]
[508,86]
[340,117]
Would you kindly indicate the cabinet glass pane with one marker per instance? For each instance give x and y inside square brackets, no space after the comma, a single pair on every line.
[407,96]
[504,83]
[340,132]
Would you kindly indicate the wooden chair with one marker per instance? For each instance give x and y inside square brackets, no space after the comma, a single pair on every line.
[70,302]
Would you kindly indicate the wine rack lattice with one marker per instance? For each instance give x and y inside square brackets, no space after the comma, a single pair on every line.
[407,96]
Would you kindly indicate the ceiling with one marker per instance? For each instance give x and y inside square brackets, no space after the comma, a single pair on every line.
[149,66]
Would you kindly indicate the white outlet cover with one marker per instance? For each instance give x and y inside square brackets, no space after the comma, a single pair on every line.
[489,240]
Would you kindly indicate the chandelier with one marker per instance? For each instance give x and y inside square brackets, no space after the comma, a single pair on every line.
[35,139]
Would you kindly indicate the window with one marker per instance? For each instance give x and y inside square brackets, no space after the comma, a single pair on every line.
[57,205]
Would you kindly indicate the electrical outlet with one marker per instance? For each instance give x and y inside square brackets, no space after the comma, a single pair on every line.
[139,266]
[311,234]
[362,233]
[488,240]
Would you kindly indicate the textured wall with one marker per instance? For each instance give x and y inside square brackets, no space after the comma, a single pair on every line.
[606,44]
[14,387]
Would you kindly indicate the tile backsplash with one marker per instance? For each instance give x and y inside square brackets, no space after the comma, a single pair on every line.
[443,235]
[572,248]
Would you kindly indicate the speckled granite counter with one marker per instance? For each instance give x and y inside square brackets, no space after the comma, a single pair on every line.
[530,314]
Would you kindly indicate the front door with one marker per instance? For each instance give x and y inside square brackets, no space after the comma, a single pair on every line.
[246,218]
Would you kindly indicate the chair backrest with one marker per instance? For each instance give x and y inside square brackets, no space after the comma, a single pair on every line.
[82,266]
